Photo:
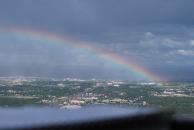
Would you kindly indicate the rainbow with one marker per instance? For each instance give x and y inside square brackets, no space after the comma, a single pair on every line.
[115,58]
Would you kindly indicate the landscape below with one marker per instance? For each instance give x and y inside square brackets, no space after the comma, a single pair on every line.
[71,93]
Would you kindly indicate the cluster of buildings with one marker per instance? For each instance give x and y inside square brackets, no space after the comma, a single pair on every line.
[83,99]
[175,92]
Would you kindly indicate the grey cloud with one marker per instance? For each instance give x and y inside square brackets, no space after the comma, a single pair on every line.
[192,42]
[94,17]
[186,52]
[149,31]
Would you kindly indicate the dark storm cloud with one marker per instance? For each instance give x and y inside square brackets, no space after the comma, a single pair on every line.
[158,34]
[95,17]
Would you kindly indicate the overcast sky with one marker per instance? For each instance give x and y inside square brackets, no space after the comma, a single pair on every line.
[158,34]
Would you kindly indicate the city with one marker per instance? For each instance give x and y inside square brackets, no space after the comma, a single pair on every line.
[72,93]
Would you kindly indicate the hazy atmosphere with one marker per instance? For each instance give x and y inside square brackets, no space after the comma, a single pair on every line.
[157,35]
